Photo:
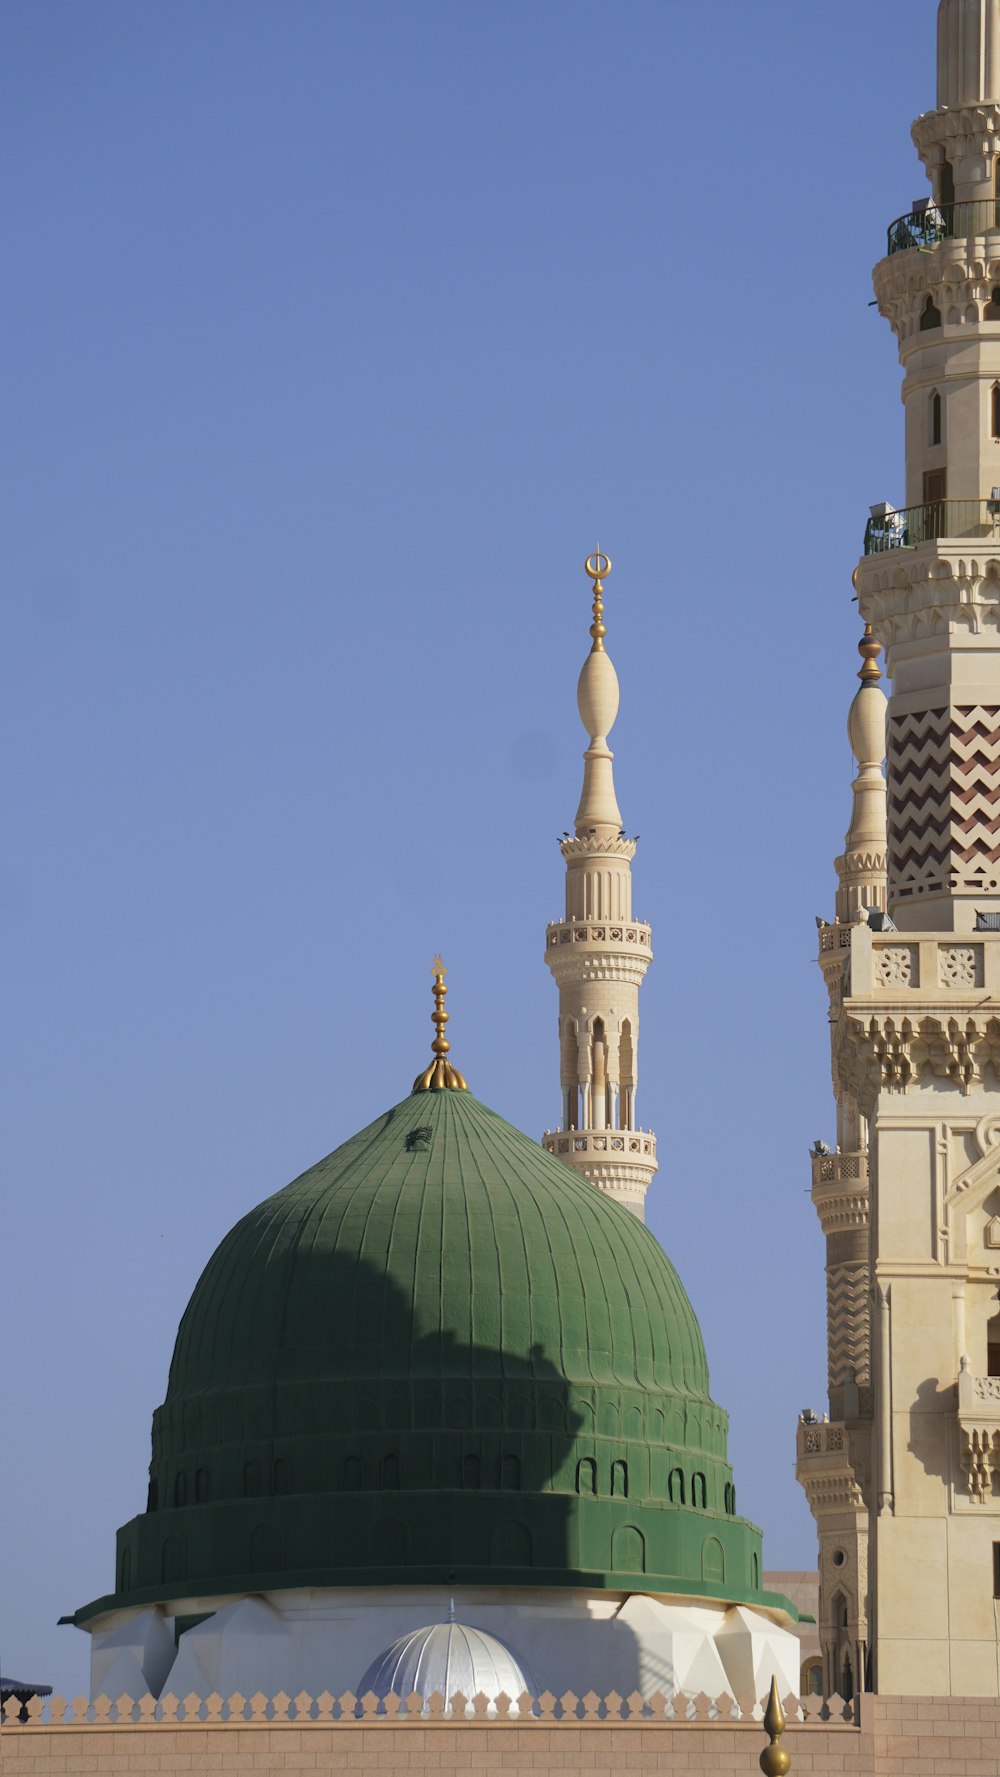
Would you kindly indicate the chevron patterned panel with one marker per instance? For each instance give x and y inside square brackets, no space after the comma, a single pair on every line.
[848,1323]
[944,800]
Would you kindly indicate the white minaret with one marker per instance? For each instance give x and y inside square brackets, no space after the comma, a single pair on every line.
[599,955]
[904,1478]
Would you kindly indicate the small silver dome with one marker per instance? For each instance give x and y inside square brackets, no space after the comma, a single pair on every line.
[448,1657]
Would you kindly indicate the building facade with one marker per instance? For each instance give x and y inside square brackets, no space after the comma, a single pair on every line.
[904,1476]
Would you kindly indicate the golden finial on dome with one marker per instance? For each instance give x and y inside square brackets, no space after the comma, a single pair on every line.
[869,650]
[440,1073]
[774,1760]
[598,566]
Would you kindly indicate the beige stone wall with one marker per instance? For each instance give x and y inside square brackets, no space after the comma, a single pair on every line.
[896,1738]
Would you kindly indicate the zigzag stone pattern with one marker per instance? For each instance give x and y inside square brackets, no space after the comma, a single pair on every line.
[848,1289]
[944,800]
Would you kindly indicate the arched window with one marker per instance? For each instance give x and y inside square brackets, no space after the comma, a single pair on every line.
[570,1067]
[946,184]
[350,1477]
[172,1559]
[675,1486]
[755,1573]
[627,1075]
[812,1679]
[995,410]
[599,1076]
[619,1480]
[472,1471]
[628,1550]
[992,310]
[586,1476]
[993,1346]
[930,316]
[699,1491]
[713,1560]
[510,1473]
[934,419]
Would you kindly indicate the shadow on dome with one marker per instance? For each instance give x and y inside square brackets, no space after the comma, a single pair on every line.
[374,1454]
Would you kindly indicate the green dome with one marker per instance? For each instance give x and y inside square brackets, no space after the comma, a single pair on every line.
[439,1356]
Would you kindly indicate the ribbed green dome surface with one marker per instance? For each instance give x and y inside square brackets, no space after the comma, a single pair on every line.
[438,1356]
[463,1251]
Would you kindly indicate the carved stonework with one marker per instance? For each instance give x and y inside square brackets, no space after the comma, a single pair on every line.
[896,966]
[944,783]
[960,965]
[889,1049]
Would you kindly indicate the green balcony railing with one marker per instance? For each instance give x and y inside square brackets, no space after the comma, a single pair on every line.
[913,525]
[943,222]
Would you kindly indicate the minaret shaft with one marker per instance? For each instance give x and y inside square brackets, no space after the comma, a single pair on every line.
[904,1477]
[599,955]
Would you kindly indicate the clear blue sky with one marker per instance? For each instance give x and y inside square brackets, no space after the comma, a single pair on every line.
[335,334]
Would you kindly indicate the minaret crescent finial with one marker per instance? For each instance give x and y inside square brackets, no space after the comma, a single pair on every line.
[598,566]
[441,1073]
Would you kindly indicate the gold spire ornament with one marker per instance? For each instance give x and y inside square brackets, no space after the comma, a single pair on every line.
[774,1760]
[440,1074]
[598,566]
[869,650]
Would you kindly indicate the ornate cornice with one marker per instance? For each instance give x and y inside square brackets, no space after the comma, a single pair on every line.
[893,1047]
[959,133]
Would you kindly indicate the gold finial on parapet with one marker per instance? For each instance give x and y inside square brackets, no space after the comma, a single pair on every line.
[598,566]
[869,650]
[440,1073]
[774,1760]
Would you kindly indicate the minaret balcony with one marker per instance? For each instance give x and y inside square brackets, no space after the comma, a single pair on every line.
[979,1433]
[840,1191]
[824,1468]
[636,1145]
[930,223]
[910,526]
[603,931]
[598,950]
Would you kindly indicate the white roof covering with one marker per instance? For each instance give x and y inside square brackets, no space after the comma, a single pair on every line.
[447,1657]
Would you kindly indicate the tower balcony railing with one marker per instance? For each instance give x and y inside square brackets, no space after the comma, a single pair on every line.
[931,223]
[910,526]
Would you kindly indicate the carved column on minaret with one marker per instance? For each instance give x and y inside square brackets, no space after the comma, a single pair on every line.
[599,955]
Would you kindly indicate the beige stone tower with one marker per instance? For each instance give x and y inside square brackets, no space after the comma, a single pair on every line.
[599,955]
[913,1445]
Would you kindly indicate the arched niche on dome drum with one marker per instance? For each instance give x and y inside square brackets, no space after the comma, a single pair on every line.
[713,1560]
[628,1550]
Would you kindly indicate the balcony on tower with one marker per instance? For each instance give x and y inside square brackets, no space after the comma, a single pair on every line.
[907,527]
[979,1433]
[927,224]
